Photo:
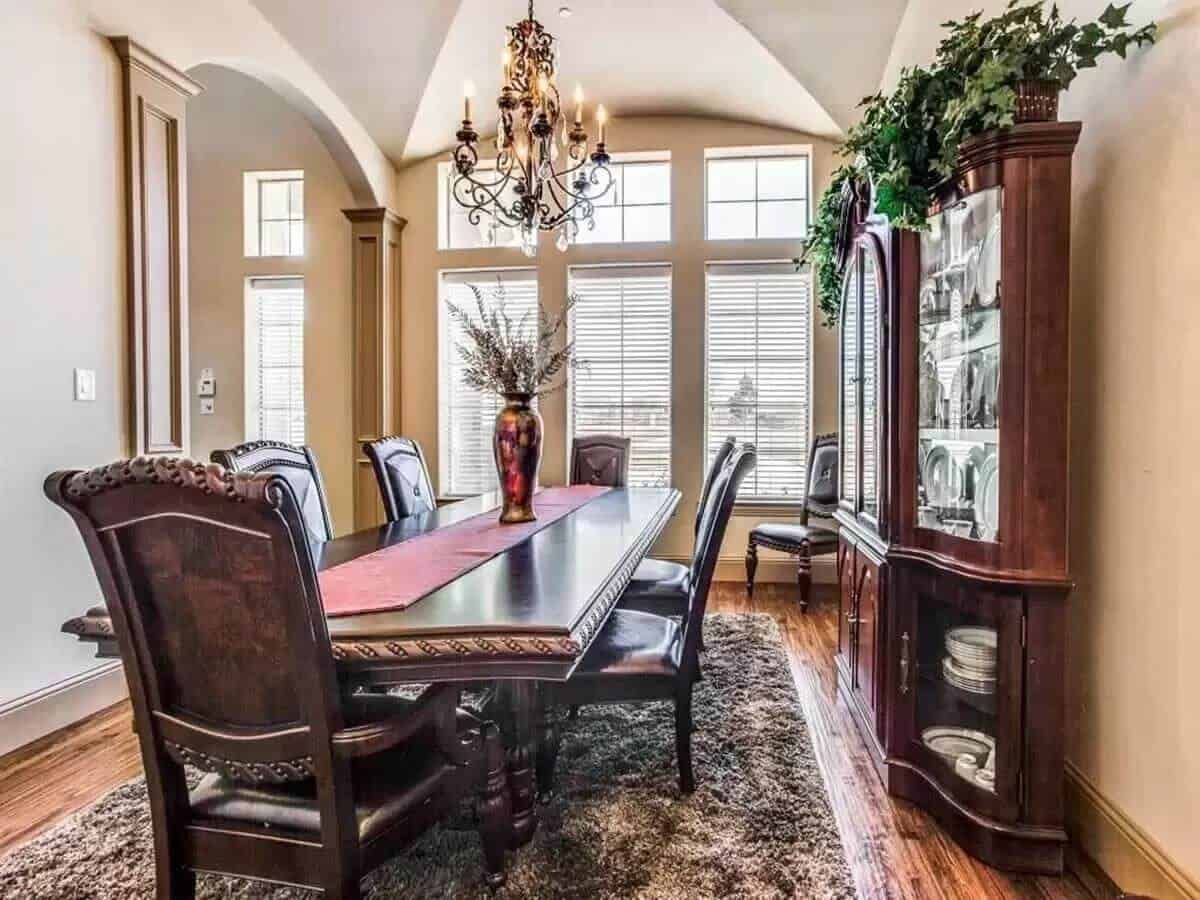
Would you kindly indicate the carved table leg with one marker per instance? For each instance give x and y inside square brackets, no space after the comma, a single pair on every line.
[519,702]
[548,741]
[751,565]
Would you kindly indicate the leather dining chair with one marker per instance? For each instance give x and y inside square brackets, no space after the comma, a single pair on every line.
[802,540]
[639,656]
[601,459]
[404,483]
[297,464]
[659,585]
[217,611]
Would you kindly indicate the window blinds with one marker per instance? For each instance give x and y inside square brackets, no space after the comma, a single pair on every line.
[277,370]
[757,374]
[467,415]
[622,330]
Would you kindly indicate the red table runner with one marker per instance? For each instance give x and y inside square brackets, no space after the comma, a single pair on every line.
[396,577]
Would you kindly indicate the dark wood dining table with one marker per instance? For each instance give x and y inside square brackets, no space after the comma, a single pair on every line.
[526,615]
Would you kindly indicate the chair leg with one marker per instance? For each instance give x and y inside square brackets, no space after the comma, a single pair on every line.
[179,884]
[751,566]
[804,579]
[683,740]
[345,887]
[548,740]
[495,808]
[574,713]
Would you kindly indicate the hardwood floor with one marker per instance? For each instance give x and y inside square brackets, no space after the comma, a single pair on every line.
[894,849]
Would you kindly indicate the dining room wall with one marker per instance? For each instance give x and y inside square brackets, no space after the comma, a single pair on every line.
[62,244]
[239,125]
[1134,736]
[686,139]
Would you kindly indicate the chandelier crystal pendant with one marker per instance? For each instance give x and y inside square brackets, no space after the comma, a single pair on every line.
[543,178]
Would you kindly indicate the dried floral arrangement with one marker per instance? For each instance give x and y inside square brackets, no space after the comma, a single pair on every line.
[513,357]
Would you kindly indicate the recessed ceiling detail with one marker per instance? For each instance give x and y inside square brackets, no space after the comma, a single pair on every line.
[399,65]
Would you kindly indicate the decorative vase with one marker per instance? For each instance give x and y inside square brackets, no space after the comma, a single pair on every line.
[1037,100]
[517,446]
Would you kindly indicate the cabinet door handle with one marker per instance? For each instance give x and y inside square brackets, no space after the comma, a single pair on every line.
[904,664]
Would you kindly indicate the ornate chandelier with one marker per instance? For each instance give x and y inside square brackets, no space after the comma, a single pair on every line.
[543,178]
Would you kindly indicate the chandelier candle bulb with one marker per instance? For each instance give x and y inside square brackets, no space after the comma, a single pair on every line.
[601,118]
[578,104]
[468,93]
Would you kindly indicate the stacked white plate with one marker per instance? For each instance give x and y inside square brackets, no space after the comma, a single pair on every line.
[971,663]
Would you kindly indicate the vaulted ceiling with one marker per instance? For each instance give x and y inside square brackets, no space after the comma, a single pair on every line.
[399,65]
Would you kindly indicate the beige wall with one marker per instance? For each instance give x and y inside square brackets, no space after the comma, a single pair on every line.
[1133,659]
[686,139]
[62,295]
[238,125]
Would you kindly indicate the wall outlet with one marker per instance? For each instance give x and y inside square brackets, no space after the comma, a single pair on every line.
[207,406]
[85,385]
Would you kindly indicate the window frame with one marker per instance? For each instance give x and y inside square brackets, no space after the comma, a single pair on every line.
[759,155]
[251,376]
[643,158]
[630,268]
[252,210]
[755,504]
[444,349]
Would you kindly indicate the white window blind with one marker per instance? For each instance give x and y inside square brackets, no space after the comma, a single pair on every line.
[275,359]
[757,378]
[622,330]
[467,415]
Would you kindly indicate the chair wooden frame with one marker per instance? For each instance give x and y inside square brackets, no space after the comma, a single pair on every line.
[269,456]
[131,515]
[805,549]
[592,688]
[583,473]
[379,452]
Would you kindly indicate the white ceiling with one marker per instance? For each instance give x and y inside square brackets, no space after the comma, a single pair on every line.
[399,65]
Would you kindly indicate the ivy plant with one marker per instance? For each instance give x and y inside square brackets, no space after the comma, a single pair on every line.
[907,141]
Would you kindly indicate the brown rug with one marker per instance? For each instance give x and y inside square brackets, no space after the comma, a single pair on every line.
[758,825]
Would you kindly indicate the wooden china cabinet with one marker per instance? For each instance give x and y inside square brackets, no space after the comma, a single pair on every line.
[952,560]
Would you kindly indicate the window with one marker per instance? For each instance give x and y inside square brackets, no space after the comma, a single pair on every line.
[637,208]
[455,231]
[275,359]
[757,379]
[757,193]
[622,329]
[468,416]
[274,213]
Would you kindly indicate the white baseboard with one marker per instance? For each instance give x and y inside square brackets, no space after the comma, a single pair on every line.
[36,715]
[1127,854]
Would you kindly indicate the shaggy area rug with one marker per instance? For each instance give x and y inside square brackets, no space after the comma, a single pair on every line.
[758,825]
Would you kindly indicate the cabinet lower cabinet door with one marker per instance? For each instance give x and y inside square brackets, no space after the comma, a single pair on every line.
[866,629]
[846,573]
[958,708]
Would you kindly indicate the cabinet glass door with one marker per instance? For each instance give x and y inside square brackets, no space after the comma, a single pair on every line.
[869,360]
[850,381]
[964,665]
[958,446]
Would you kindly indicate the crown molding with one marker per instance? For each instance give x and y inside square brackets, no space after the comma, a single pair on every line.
[136,56]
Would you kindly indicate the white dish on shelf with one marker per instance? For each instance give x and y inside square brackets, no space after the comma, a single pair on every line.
[987,271]
[987,498]
[971,683]
[975,639]
[950,742]
[939,476]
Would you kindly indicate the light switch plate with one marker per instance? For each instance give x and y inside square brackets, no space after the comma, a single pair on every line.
[206,386]
[85,385]
[207,405]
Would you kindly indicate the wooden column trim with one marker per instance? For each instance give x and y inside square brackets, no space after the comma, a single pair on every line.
[155,103]
[375,291]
